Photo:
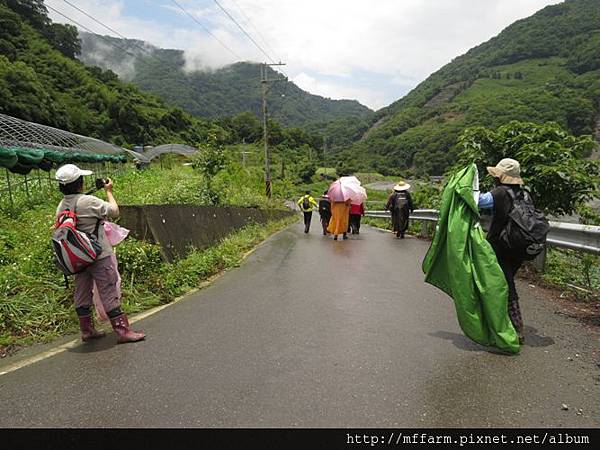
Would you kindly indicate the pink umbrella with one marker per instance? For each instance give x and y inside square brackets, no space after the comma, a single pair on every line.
[347,188]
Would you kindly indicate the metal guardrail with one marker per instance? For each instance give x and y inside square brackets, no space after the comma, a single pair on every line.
[583,238]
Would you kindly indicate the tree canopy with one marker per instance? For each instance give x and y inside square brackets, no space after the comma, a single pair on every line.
[552,161]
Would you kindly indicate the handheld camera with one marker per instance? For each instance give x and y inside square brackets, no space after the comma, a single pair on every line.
[100,183]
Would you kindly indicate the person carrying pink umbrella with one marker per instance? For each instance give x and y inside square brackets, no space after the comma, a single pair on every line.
[342,193]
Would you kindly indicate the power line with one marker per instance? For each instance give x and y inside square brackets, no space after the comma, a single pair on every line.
[112,44]
[244,31]
[245,16]
[145,50]
[206,29]
[167,65]
[250,37]
[94,19]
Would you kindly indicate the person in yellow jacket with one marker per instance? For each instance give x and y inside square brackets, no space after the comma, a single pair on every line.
[306,204]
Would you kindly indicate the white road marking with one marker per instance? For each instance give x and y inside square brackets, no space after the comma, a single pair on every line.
[75,342]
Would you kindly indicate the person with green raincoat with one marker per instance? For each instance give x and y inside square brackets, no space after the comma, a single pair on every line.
[463,264]
[507,176]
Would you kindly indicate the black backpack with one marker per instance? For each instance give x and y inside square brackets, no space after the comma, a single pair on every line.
[524,235]
[306,203]
[401,201]
[324,207]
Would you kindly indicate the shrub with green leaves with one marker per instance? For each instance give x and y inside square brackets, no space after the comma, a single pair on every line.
[552,161]
[209,161]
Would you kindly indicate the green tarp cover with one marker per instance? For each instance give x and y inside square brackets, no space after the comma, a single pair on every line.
[29,156]
[21,169]
[8,157]
[55,156]
[462,263]
[45,165]
[76,157]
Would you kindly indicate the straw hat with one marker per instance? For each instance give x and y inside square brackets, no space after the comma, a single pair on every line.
[402,186]
[508,171]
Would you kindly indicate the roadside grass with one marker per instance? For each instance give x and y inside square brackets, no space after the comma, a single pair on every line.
[377,222]
[38,308]
[35,306]
[316,189]
[377,199]
[326,172]
[371,177]
[578,273]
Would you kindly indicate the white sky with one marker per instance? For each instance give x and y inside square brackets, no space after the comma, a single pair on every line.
[373,51]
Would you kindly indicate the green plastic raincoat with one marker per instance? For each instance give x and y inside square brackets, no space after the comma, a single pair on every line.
[462,263]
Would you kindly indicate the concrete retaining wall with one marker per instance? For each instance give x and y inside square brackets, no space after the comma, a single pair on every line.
[176,228]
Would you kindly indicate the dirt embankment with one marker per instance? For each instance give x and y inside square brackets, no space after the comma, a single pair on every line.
[373,128]
[446,94]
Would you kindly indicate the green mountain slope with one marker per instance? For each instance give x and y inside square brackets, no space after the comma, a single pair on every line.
[211,93]
[41,81]
[542,68]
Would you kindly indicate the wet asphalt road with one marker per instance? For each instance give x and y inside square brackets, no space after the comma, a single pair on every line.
[310,332]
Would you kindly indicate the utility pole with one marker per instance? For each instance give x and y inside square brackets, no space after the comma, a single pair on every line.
[244,153]
[265,90]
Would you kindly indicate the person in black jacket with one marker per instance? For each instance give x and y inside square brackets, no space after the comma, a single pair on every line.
[325,211]
[507,175]
[401,205]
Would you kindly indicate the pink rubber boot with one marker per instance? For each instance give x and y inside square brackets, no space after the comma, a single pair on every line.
[121,326]
[88,331]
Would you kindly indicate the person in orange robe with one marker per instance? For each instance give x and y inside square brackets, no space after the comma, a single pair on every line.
[340,215]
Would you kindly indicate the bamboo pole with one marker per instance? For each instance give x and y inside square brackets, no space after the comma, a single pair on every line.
[10,196]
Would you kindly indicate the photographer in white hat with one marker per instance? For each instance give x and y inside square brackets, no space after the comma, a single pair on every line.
[91,211]
[507,176]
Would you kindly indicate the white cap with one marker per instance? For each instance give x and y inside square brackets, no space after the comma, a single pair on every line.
[70,172]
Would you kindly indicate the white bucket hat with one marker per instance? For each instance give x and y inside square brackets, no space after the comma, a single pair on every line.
[70,172]
[402,186]
[508,171]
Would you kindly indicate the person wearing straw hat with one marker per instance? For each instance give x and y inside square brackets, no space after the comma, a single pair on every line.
[103,273]
[401,205]
[507,176]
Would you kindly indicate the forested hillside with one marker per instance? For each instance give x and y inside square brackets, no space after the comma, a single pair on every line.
[41,81]
[543,68]
[211,93]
